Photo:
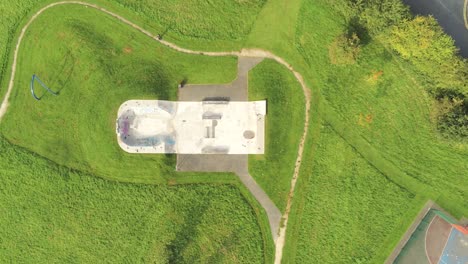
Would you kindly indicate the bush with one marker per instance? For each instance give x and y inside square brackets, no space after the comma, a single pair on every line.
[454,124]
[422,42]
[452,115]
[345,49]
[375,15]
[378,15]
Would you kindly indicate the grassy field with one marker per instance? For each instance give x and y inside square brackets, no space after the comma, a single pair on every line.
[387,122]
[386,118]
[273,171]
[380,110]
[377,127]
[275,27]
[95,68]
[199,19]
[198,24]
[350,211]
[53,214]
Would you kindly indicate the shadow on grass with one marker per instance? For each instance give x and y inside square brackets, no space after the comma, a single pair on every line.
[354,26]
[187,232]
[149,78]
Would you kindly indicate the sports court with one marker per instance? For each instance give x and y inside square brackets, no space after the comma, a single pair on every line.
[456,249]
[438,239]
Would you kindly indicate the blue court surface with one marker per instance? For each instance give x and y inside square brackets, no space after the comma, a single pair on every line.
[456,249]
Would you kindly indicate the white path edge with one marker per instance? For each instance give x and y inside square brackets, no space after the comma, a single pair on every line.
[243,53]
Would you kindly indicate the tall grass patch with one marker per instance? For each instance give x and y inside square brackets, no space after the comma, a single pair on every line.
[349,210]
[53,214]
[212,20]
[381,105]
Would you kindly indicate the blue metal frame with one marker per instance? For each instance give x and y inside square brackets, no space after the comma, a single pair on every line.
[34,77]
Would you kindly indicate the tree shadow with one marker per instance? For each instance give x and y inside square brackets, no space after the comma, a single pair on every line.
[148,77]
[62,77]
[441,93]
[90,36]
[354,26]
[188,232]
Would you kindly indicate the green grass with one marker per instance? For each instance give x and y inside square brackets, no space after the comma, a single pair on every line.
[349,211]
[387,125]
[388,120]
[201,19]
[381,131]
[96,64]
[50,213]
[205,25]
[275,26]
[95,68]
[273,171]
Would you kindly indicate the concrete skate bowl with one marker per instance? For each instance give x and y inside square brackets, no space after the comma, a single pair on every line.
[143,128]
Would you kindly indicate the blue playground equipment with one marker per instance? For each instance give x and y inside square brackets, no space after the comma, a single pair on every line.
[34,77]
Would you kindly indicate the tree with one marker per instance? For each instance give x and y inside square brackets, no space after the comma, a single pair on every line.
[345,49]
[378,15]
[375,15]
[422,38]
[422,41]
[452,117]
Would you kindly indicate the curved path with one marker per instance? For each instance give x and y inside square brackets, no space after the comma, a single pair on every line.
[465,14]
[243,53]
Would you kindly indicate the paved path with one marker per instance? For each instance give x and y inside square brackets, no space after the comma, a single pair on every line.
[243,53]
[239,165]
[274,215]
[237,90]
[451,15]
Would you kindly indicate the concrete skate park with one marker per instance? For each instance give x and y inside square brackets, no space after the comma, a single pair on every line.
[207,127]
[212,128]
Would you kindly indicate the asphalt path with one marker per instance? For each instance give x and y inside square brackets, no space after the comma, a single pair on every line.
[452,16]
